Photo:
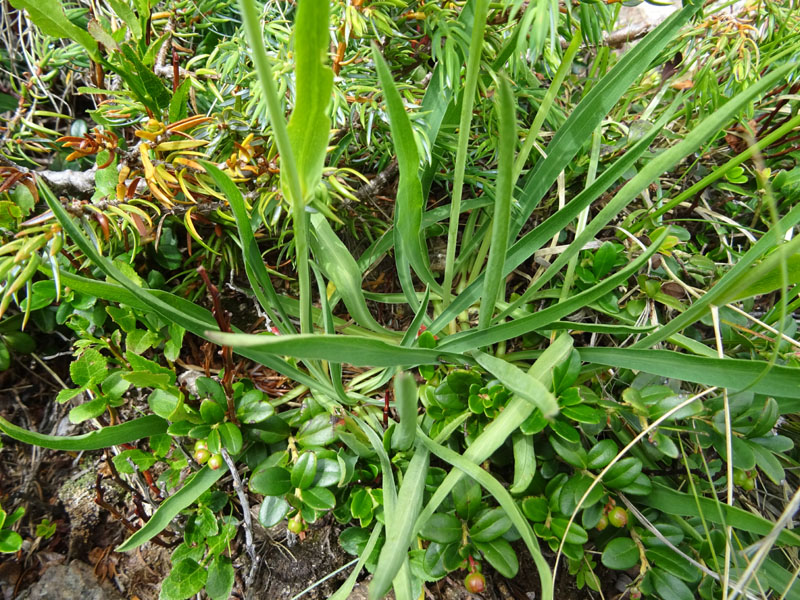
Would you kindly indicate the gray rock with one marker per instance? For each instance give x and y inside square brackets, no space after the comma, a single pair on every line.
[74,582]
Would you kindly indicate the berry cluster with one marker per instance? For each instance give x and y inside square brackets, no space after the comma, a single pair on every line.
[203,456]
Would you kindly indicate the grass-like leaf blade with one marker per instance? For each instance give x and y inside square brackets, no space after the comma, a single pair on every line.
[658,165]
[253,263]
[409,203]
[354,350]
[524,248]
[310,125]
[677,503]
[106,437]
[505,424]
[341,268]
[521,383]
[727,286]
[467,340]
[504,499]
[494,282]
[731,373]
[400,534]
[572,135]
[192,489]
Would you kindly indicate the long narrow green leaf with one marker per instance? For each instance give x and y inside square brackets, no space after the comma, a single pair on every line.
[188,316]
[344,590]
[354,350]
[504,499]
[601,327]
[732,373]
[467,340]
[523,249]
[438,106]
[390,512]
[780,579]
[334,368]
[254,266]
[720,171]
[572,135]
[409,337]
[341,268]
[727,284]
[547,102]
[493,284]
[310,124]
[400,528]
[187,320]
[524,462]
[192,489]
[496,432]
[290,177]
[467,102]
[409,203]
[677,503]
[106,437]
[652,170]
[519,382]
[414,328]
[766,277]
[202,321]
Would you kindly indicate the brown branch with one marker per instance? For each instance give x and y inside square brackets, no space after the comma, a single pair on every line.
[68,183]
[101,502]
[378,183]
[224,323]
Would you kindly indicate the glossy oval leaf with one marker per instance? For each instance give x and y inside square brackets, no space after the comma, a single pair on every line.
[304,470]
[442,528]
[271,481]
[601,454]
[272,511]
[489,525]
[501,556]
[620,554]
[319,498]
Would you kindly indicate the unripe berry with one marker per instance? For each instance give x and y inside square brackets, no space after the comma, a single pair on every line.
[748,484]
[296,524]
[739,477]
[200,445]
[475,583]
[215,462]
[618,517]
[602,523]
[202,455]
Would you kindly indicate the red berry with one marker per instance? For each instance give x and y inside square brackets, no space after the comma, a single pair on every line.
[618,517]
[215,462]
[475,583]
[636,594]
[602,523]
[201,455]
